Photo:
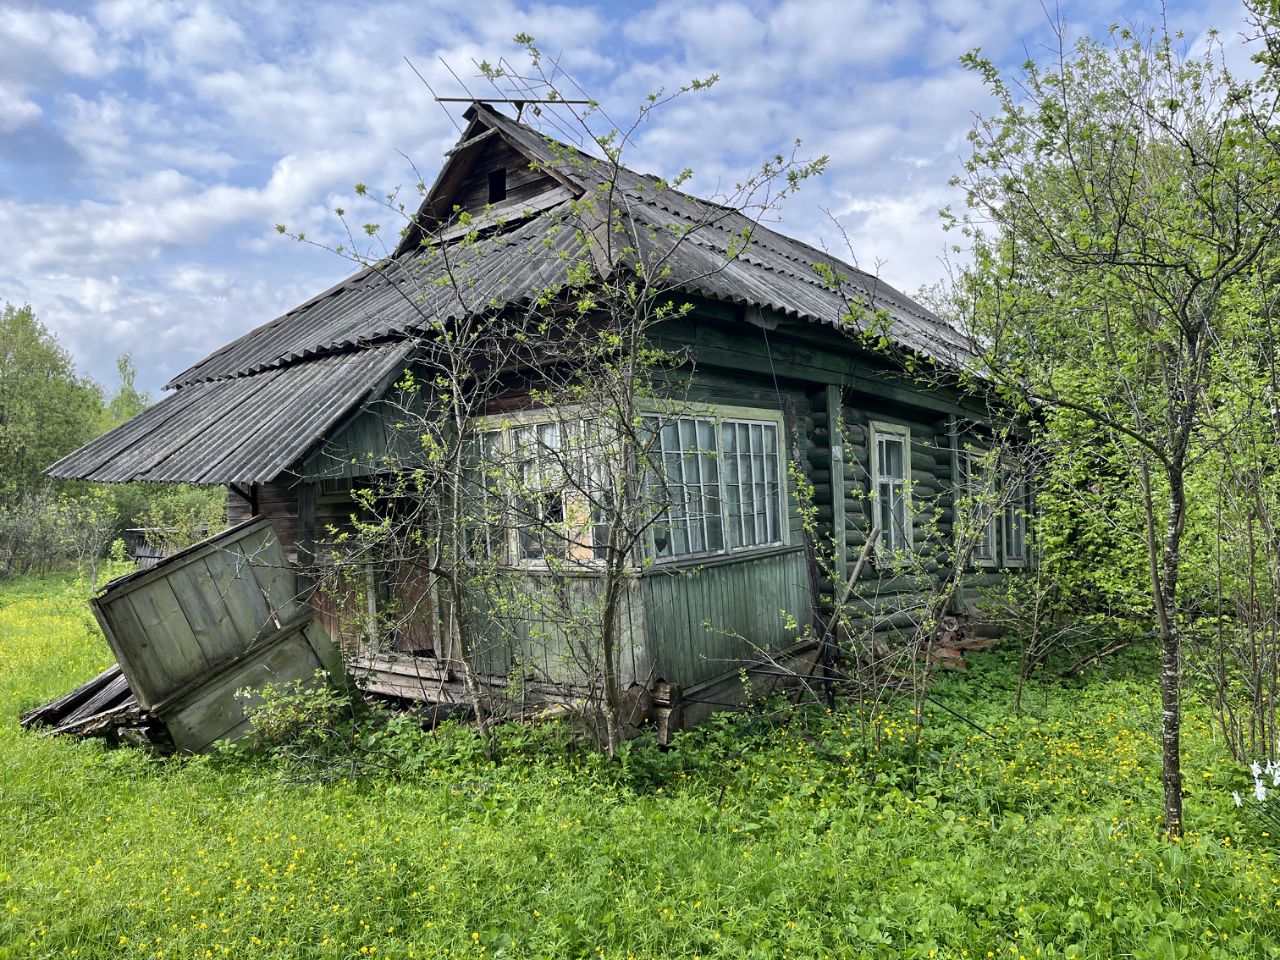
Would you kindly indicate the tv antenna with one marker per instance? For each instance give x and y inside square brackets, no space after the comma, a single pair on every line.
[520,102]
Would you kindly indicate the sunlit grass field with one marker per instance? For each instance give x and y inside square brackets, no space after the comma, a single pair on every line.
[748,840]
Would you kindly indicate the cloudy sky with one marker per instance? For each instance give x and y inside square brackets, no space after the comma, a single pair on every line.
[147,149]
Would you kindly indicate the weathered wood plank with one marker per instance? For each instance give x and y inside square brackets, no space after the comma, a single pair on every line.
[212,711]
[208,619]
[133,649]
[172,644]
[237,588]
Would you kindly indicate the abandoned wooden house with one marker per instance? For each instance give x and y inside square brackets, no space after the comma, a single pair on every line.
[287,417]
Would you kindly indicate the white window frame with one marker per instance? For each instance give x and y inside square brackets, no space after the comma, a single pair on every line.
[970,458]
[1016,511]
[507,424]
[719,414]
[885,550]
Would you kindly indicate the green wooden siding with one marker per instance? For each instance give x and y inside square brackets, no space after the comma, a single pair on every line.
[704,620]
[546,627]
[688,622]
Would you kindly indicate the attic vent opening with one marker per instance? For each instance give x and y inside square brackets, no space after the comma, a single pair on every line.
[497,185]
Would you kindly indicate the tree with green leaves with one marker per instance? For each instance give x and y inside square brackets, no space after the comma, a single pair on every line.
[1117,198]
[46,408]
[127,401]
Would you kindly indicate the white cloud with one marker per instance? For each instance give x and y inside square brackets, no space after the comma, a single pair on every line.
[206,36]
[199,125]
[16,110]
[38,43]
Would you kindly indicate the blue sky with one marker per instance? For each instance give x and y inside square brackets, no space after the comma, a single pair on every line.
[147,149]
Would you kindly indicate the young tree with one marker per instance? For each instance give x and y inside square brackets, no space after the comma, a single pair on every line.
[127,401]
[1115,199]
[528,530]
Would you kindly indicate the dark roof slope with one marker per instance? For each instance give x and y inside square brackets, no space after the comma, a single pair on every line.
[251,409]
[399,298]
[692,235]
[240,430]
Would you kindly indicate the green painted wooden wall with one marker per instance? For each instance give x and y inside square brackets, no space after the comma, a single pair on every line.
[689,622]
[705,619]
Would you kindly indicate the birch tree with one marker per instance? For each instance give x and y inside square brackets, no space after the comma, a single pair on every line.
[1117,194]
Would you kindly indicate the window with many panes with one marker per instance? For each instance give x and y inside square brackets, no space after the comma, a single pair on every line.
[481,504]
[721,478]
[890,486]
[539,491]
[533,493]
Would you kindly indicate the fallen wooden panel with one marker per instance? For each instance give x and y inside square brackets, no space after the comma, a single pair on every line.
[102,707]
[107,694]
[210,710]
[221,616]
[198,610]
[63,709]
[405,677]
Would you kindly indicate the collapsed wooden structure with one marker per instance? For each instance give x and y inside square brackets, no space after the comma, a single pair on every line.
[289,418]
[190,633]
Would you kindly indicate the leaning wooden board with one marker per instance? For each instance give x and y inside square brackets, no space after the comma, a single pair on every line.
[199,610]
[210,710]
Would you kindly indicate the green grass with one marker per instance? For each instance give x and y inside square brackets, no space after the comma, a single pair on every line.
[744,842]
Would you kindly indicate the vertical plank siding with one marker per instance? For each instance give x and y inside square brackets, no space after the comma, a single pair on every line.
[197,610]
[704,620]
[526,625]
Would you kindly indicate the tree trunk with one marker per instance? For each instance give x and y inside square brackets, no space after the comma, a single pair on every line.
[1171,656]
[1165,555]
[615,571]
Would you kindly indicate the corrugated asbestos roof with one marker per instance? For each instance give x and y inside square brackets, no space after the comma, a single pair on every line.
[249,410]
[401,297]
[242,430]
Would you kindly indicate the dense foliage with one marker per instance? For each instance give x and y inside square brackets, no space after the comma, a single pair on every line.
[754,837]
[1124,223]
[48,410]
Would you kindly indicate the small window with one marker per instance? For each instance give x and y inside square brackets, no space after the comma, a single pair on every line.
[751,488]
[890,475]
[978,493]
[540,501]
[497,185]
[1015,527]
[482,511]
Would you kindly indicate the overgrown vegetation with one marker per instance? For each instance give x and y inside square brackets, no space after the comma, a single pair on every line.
[47,410]
[1123,225]
[754,837]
